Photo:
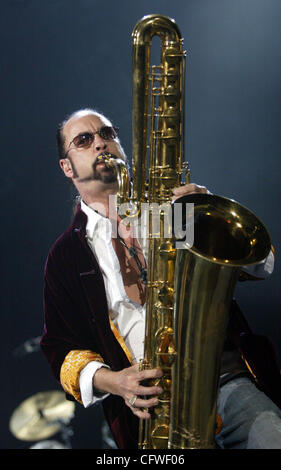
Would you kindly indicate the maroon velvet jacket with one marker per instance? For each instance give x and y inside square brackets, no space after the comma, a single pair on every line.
[76,317]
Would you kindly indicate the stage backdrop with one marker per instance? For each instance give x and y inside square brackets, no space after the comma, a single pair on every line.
[60,55]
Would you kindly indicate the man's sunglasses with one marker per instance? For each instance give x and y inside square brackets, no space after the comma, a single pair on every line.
[85,139]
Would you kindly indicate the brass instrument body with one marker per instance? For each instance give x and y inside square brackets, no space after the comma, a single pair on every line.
[158,127]
[189,290]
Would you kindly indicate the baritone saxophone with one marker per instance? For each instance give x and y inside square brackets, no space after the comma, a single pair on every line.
[189,289]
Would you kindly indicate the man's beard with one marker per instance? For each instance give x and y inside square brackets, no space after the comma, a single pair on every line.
[104,174]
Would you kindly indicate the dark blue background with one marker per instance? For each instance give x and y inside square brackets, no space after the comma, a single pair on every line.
[60,55]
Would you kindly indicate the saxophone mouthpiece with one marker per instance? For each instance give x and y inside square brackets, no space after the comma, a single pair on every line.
[106,158]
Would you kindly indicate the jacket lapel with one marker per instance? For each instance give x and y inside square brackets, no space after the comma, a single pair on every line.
[94,289]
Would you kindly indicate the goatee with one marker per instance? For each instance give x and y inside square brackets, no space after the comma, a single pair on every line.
[106,174]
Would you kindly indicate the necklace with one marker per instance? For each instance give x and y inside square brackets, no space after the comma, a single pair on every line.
[133,252]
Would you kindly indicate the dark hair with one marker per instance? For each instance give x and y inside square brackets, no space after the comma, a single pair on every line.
[60,140]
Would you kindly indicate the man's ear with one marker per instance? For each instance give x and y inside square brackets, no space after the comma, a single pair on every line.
[66,167]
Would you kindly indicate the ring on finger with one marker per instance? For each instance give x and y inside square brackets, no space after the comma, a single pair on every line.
[133,400]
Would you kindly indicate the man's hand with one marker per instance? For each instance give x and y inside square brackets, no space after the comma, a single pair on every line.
[190,188]
[126,384]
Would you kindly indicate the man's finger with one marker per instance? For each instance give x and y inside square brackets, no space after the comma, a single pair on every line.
[189,189]
[154,390]
[143,403]
[150,374]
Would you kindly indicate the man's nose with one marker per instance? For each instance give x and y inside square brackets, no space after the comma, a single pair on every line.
[99,143]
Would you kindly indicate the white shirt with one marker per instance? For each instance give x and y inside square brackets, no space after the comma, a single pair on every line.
[127,316]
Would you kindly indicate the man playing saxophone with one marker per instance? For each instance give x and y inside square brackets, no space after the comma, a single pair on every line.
[94,300]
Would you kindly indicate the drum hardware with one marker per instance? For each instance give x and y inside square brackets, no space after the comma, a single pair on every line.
[29,346]
[43,415]
[49,444]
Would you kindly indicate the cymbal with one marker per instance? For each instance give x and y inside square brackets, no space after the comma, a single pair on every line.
[41,415]
[48,445]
